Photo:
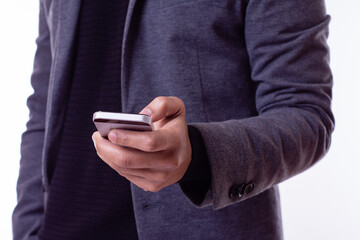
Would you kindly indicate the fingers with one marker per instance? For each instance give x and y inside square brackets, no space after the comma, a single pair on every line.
[150,160]
[163,107]
[144,141]
[118,157]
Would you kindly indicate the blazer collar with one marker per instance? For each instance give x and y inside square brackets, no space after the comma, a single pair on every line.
[126,44]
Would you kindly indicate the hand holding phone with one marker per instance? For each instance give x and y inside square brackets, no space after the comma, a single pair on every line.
[150,160]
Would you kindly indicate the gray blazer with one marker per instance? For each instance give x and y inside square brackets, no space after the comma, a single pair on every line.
[254,76]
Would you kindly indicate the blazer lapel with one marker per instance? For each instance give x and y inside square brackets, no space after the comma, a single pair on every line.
[128,39]
[60,81]
[61,76]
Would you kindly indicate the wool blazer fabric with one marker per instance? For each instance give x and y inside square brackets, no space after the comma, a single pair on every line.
[255,79]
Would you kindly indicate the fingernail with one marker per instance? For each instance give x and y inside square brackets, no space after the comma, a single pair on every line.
[112,136]
[147,111]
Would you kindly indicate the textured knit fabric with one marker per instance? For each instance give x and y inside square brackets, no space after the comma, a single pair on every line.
[88,199]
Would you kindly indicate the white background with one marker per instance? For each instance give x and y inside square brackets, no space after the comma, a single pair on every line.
[322,203]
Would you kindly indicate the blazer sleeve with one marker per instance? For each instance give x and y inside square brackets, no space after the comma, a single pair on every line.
[289,59]
[28,213]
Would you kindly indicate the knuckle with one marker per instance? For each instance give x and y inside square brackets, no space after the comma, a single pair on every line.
[160,99]
[150,143]
[122,162]
[124,139]
[162,102]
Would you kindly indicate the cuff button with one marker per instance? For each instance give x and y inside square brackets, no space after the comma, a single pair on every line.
[239,190]
[248,188]
[236,191]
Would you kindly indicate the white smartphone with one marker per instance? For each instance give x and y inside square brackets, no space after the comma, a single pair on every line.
[105,121]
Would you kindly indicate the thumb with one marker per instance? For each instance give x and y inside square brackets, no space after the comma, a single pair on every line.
[164,107]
